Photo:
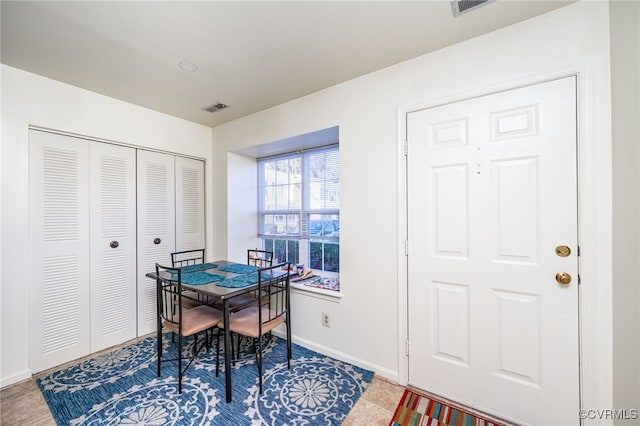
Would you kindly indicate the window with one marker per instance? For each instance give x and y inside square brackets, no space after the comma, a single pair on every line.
[299,206]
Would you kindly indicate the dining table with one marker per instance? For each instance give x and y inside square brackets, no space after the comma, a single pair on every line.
[221,280]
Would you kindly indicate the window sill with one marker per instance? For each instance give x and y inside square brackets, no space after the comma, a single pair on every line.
[331,295]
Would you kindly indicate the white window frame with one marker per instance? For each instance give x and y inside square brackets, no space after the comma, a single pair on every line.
[303,212]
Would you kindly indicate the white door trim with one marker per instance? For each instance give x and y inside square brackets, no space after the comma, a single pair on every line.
[594,236]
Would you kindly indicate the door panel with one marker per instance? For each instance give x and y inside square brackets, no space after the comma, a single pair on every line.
[189,204]
[58,241]
[113,245]
[492,190]
[156,228]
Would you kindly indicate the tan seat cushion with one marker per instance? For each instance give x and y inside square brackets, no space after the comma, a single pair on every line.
[196,320]
[245,321]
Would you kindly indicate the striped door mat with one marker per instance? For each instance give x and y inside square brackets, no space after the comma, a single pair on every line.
[415,409]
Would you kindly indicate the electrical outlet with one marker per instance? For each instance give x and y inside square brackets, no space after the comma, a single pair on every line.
[325,319]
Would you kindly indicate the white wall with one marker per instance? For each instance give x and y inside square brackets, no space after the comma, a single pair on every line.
[28,99]
[242,193]
[367,323]
[625,73]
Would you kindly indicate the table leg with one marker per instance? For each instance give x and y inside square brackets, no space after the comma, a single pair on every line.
[227,351]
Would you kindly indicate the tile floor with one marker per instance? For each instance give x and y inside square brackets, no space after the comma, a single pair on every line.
[376,405]
[23,404]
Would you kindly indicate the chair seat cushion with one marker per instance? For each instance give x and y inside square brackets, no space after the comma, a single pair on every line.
[246,321]
[196,320]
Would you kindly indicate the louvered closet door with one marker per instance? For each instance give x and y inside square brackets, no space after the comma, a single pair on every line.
[189,203]
[113,244]
[156,228]
[59,259]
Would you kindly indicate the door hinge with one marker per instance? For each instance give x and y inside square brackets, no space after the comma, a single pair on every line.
[579,280]
[578,251]
[406,347]
[406,148]
[406,247]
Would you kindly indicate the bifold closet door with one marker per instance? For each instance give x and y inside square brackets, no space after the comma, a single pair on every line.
[113,244]
[83,247]
[156,228]
[189,203]
[89,247]
[59,249]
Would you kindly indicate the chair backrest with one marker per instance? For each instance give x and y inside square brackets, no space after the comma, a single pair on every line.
[260,258]
[169,296]
[274,290]
[187,257]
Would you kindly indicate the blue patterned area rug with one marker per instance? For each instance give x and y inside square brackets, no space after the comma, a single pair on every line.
[122,388]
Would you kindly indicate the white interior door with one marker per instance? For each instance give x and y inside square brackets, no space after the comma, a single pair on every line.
[492,191]
[156,228]
[189,204]
[113,244]
[58,242]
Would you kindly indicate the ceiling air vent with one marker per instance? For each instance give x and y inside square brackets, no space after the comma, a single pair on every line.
[461,6]
[215,107]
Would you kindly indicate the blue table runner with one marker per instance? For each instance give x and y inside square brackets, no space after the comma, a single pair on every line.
[198,278]
[239,268]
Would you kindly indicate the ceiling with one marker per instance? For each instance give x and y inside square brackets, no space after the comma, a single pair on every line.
[249,55]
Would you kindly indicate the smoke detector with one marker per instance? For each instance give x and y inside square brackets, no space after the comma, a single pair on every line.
[462,6]
[215,107]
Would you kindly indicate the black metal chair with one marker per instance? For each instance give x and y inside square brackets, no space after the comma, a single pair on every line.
[260,258]
[173,316]
[255,257]
[187,257]
[258,320]
[184,258]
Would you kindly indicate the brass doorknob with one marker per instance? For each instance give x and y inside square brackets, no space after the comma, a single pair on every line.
[563,278]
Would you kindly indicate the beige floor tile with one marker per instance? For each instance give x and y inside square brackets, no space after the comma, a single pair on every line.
[384,394]
[23,404]
[366,413]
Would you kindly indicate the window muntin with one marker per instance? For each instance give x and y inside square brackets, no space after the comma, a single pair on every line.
[299,205]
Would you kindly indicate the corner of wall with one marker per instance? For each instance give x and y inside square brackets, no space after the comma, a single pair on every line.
[624,19]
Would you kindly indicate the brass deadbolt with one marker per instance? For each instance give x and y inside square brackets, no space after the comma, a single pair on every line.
[563,251]
[563,278]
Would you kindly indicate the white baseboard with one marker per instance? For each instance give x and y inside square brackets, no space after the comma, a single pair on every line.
[18,377]
[390,375]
